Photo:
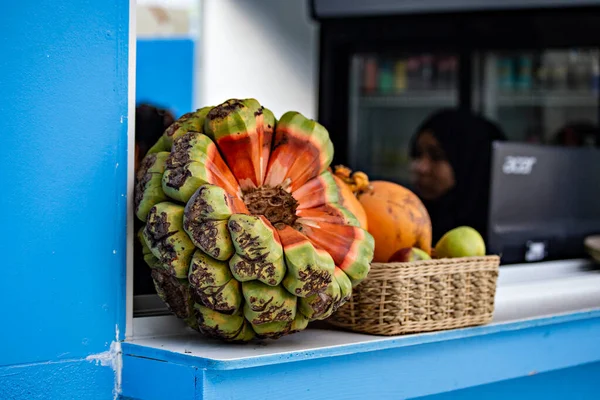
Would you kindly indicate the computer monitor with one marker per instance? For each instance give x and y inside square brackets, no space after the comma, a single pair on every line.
[544,201]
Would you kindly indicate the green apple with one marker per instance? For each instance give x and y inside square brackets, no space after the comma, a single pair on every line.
[463,241]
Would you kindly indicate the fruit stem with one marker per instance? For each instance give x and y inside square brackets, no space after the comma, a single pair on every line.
[357,181]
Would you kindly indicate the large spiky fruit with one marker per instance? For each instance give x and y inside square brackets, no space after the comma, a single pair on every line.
[245,231]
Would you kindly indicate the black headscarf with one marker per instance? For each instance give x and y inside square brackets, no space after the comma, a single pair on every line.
[467,141]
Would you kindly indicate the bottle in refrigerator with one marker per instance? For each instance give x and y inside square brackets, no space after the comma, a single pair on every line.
[386,77]
[524,77]
[413,67]
[542,76]
[370,78]
[557,69]
[578,70]
[506,73]
[400,75]
[426,71]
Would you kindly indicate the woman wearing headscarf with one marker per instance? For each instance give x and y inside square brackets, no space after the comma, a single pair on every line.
[451,157]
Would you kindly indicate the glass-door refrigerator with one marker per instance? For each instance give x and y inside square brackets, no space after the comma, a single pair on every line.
[547,96]
[384,66]
[390,95]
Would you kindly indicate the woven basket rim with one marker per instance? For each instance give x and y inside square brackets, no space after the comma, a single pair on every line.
[440,261]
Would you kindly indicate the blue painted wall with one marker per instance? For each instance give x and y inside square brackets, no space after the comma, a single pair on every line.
[63,124]
[571,383]
[165,73]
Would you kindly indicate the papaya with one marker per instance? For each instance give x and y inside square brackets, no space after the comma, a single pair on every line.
[396,218]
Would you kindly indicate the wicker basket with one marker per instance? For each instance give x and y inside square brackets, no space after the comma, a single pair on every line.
[422,296]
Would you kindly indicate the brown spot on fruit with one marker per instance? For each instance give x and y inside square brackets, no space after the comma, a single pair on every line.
[202,281]
[177,177]
[197,205]
[143,177]
[256,268]
[225,109]
[268,312]
[173,127]
[158,234]
[314,281]
[204,234]
[146,164]
[234,226]
[180,154]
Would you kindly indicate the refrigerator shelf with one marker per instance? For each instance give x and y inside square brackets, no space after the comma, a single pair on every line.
[411,99]
[548,99]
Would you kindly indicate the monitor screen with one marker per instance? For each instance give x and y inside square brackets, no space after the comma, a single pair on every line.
[544,201]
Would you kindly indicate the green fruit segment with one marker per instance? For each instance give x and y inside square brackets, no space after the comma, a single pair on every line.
[243,130]
[272,330]
[259,252]
[167,240]
[212,237]
[213,283]
[301,151]
[246,334]
[215,324]
[177,296]
[149,258]
[254,236]
[309,270]
[160,145]
[205,220]
[194,146]
[148,187]
[317,192]
[195,161]
[245,270]
[190,122]
[180,183]
[267,303]
[212,202]
[321,305]
[345,286]
[299,323]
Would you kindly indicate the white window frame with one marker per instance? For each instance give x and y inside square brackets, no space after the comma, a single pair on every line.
[524,291]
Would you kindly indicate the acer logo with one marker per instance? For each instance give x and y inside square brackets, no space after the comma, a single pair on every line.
[518,165]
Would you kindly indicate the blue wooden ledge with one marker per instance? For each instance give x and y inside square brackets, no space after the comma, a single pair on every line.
[329,364]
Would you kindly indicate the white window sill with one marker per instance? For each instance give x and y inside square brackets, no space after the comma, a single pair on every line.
[525,293]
